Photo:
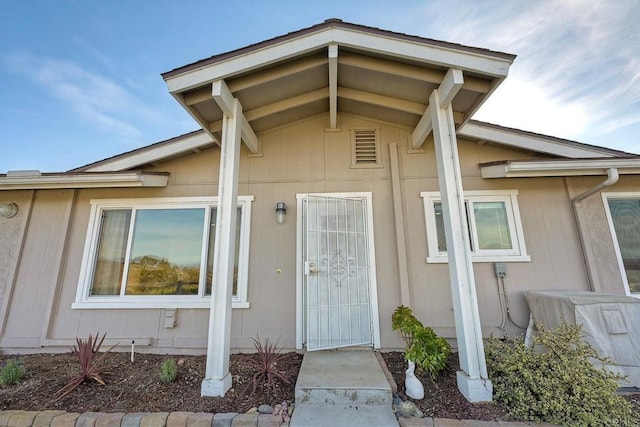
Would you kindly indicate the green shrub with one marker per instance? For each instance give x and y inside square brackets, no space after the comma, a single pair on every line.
[423,346]
[12,372]
[168,371]
[554,381]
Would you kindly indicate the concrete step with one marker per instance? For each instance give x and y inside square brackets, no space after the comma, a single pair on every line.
[311,415]
[342,377]
[342,388]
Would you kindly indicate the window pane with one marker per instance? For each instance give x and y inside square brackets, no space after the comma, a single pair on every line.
[442,241]
[112,247]
[492,226]
[212,240]
[166,252]
[626,221]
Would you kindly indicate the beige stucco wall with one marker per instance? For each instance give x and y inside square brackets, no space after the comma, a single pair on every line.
[301,158]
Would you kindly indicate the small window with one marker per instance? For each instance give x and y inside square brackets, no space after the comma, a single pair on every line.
[149,253]
[495,231]
[365,151]
[623,214]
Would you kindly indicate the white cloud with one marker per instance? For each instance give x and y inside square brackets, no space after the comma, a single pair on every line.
[578,60]
[525,106]
[95,98]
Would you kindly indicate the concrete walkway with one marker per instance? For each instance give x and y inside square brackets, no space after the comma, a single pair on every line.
[201,419]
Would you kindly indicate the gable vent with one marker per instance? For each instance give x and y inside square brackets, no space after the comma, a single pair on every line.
[365,148]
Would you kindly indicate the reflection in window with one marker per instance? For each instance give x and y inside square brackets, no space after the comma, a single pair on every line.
[158,251]
[212,241]
[166,250]
[625,215]
[495,232]
[491,225]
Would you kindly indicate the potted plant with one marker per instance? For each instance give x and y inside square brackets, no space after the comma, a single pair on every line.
[423,348]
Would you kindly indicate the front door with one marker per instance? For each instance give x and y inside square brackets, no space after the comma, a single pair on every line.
[337,271]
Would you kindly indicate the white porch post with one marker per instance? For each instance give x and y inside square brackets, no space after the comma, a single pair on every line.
[473,381]
[217,378]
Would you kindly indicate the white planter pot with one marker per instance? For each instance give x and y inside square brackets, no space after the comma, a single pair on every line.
[413,386]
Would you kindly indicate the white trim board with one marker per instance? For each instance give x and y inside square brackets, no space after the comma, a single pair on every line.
[616,246]
[475,62]
[535,143]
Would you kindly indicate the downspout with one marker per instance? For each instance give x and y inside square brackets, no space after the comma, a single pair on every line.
[612,178]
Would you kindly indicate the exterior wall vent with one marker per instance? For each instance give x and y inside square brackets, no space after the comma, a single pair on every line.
[365,148]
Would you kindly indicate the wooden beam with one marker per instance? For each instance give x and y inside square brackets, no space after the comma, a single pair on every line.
[381,100]
[225,100]
[279,72]
[276,107]
[198,96]
[414,72]
[249,137]
[333,85]
[422,130]
[287,104]
[450,86]
[223,97]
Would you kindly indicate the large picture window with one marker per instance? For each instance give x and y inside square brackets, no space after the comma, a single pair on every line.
[149,253]
[495,230]
[623,213]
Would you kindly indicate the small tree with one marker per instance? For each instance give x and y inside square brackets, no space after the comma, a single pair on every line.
[423,345]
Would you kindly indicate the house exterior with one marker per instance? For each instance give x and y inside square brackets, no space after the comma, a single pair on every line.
[337,174]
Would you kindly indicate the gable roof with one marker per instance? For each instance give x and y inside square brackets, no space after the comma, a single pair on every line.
[191,142]
[536,142]
[334,67]
[331,23]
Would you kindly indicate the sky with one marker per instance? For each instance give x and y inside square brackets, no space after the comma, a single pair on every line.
[80,80]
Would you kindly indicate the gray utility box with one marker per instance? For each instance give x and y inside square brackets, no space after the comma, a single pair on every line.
[610,323]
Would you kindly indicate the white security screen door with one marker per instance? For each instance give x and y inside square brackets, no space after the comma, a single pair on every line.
[337,272]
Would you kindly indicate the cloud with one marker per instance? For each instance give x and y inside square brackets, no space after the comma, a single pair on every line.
[93,97]
[578,60]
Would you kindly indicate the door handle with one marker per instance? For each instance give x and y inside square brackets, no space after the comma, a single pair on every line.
[310,267]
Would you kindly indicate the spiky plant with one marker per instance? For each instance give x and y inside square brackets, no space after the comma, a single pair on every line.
[91,367]
[265,366]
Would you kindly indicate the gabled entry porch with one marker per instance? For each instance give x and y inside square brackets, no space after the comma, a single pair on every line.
[338,68]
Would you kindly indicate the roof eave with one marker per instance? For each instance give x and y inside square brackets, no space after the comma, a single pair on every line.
[534,142]
[557,168]
[83,180]
[477,61]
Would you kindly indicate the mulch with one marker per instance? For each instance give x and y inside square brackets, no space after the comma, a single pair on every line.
[136,387]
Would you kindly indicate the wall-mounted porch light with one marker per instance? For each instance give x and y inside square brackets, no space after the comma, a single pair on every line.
[281,211]
[8,210]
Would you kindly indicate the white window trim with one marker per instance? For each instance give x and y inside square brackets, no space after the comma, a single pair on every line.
[517,254]
[614,237]
[83,300]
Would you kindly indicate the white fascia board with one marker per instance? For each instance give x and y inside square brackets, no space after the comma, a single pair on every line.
[406,49]
[82,180]
[154,153]
[529,142]
[527,169]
